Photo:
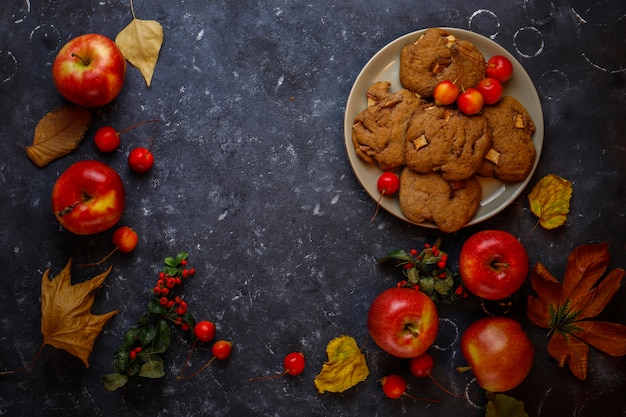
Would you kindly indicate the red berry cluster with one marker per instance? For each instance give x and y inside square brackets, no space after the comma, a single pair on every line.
[427,270]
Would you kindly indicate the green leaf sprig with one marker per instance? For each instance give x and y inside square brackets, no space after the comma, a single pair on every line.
[428,271]
[139,355]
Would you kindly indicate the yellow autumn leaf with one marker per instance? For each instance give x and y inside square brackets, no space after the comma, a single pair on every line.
[58,133]
[549,200]
[140,42]
[66,319]
[346,366]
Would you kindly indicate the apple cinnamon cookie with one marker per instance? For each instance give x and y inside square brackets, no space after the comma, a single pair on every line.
[442,139]
[513,154]
[429,197]
[437,56]
[379,131]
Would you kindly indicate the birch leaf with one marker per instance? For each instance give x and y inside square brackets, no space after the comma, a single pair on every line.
[140,42]
[549,200]
[345,367]
[58,133]
[66,319]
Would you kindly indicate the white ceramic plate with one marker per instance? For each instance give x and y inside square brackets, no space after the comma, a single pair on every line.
[385,66]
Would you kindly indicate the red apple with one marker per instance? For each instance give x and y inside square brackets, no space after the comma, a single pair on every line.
[88,197]
[493,264]
[470,101]
[125,239]
[89,70]
[403,322]
[491,90]
[498,352]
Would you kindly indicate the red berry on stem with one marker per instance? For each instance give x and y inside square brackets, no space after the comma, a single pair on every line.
[445,93]
[388,183]
[140,159]
[222,349]
[294,363]
[204,330]
[394,386]
[499,67]
[421,365]
[491,90]
[470,101]
[125,239]
[106,139]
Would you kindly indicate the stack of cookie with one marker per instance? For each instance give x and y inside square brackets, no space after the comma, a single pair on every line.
[438,149]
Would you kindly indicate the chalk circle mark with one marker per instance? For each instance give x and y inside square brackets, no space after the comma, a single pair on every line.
[8,66]
[554,85]
[528,42]
[485,22]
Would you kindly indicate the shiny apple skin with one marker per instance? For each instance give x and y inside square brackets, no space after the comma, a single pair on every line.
[98,79]
[403,322]
[499,352]
[493,264]
[88,197]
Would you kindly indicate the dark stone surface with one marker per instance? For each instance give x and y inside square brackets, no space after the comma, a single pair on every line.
[252,179]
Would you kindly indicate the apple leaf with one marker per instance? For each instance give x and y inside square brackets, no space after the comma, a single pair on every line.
[566,308]
[501,405]
[549,200]
[346,366]
[66,319]
[58,133]
[140,42]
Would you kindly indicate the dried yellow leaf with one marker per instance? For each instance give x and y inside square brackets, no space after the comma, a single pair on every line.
[140,42]
[549,200]
[66,319]
[346,366]
[58,133]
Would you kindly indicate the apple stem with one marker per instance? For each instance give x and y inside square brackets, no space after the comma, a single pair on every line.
[500,265]
[84,61]
[101,260]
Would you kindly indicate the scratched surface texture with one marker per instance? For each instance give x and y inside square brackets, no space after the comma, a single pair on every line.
[253,180]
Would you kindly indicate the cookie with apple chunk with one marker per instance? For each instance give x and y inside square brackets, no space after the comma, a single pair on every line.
[429,197]
[442,139]
[379,131]
[437,56]
[513,154]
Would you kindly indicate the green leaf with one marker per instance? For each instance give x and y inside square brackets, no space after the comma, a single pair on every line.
[398,255]
[146,334]
[121,360]
[501,405]
[153,369]
[413,276]
[442,286]
[169,261]
[114,381]
[155,307]
[181,256]
[161,339]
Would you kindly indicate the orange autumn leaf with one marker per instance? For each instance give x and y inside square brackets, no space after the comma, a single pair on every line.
[549,200]
[58,133]
[566,308]
[66,319]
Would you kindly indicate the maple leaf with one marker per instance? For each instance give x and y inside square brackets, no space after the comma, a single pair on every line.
[549,200]
[66,319]
[345,367]
[140,42]
[566,308]
[58,133]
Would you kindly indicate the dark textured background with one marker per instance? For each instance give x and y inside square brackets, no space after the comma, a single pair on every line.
[252,179]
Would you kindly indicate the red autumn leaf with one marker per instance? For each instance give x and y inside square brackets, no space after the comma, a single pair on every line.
[565,308]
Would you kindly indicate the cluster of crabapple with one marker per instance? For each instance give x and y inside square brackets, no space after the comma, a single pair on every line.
[394,386]
[140,159]
[487,91]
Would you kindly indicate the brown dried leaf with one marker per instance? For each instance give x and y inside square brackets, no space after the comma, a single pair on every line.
[58,133]
[66,319]
[565,308]
[549,200]
[610,338]
[140,42]
[585,266]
